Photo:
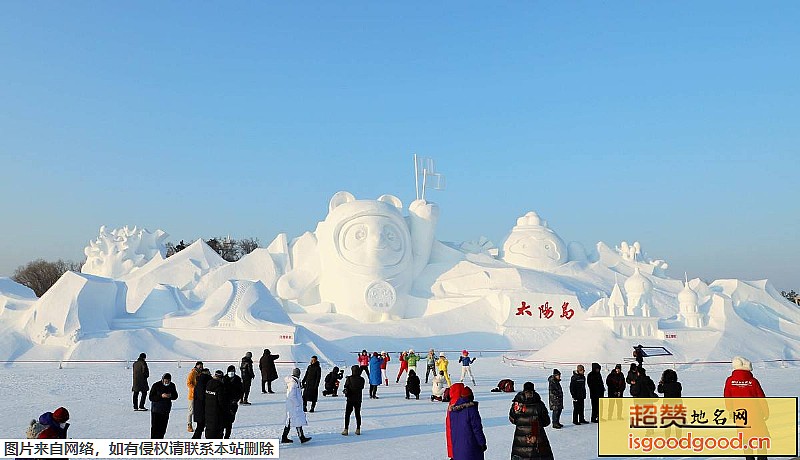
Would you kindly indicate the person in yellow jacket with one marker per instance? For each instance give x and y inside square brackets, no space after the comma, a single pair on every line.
[191,382]
[441,365]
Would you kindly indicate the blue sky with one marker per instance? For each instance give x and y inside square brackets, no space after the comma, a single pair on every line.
[675,124]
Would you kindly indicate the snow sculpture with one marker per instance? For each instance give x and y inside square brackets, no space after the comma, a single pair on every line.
[616,303]
[633,253]
[363,257]
[688,302]
[640,293]
[531,244]
[121,251]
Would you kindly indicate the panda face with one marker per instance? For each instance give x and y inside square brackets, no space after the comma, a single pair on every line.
[372,241]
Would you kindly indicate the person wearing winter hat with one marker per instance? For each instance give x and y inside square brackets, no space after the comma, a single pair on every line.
[596,391]
[268,371]
[199,402]
[556,397]
[162,393]
[233,389]
[430,364]
[441,365]
[191,383]
[216,406]
[353,389]
[616,388]
[465,362]
[140,375]
[294,408]
[412,359]
[742,384]
[248,374]
[465,437]
[529,414]
[53,425]
[403,365]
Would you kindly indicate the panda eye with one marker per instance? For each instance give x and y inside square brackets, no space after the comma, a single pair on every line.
[547,246]
[361,234]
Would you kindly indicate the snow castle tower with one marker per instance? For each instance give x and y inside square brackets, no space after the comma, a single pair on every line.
[640,294]
[688,302]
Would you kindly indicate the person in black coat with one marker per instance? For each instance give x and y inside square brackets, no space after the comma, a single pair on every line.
[246,368]
[353,391]
[332,382]
[632,374]
[669,384]
[616,388]
[412,385]
[596,391]
[140,375]
[577,389]
[268,372]
[556,397]
[530,416]
[216,406]
[311,384]
[162,393]
[643,386]
[200,403]
[233,390]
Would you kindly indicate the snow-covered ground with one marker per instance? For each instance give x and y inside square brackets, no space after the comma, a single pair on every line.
[99,399]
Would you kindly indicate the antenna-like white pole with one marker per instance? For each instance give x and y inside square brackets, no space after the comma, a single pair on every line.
[416,175]
[424,180]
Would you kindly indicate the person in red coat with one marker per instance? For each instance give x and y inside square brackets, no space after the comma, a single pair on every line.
[403,366]
[56,423]
[742,384]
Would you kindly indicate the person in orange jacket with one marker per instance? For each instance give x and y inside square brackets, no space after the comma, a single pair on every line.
[191,382]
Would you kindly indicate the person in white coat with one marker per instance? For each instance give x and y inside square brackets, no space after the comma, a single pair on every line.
[439,384]
[294,408]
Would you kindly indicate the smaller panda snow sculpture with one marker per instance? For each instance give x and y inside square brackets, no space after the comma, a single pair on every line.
[364,256]
[532,244]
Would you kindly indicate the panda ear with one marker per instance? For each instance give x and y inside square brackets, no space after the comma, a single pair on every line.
[391,199]
[340,198]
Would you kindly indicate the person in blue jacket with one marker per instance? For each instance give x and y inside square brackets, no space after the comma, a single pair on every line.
[375,377]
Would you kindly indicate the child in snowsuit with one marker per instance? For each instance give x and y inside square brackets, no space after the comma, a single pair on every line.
[465,366]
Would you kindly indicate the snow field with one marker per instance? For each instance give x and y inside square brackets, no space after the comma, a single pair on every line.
[99,400]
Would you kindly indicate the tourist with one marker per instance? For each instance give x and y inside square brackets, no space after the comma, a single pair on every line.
[353,388]
[248,374]
[441,365]
[140,375]
[191,383]
[412,385]
[374,375]
[438,387]
[386,358]
[596,391]
[294,408]
[556,397]
[311,384]
[669,385]
[268,372]
[332,382]
[363,362]
[162,393]
[403,366]
[411,360]
[233,390]
[216,406]
[431,364]
[529,414]
[465,362]
[464,430]
[51,425]
[199,402]
[742,384]
[616,388]
[577,389]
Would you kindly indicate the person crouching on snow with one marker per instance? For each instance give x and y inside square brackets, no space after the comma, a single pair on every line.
[439,384]
[465,368]
[412,385]
[294,408]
